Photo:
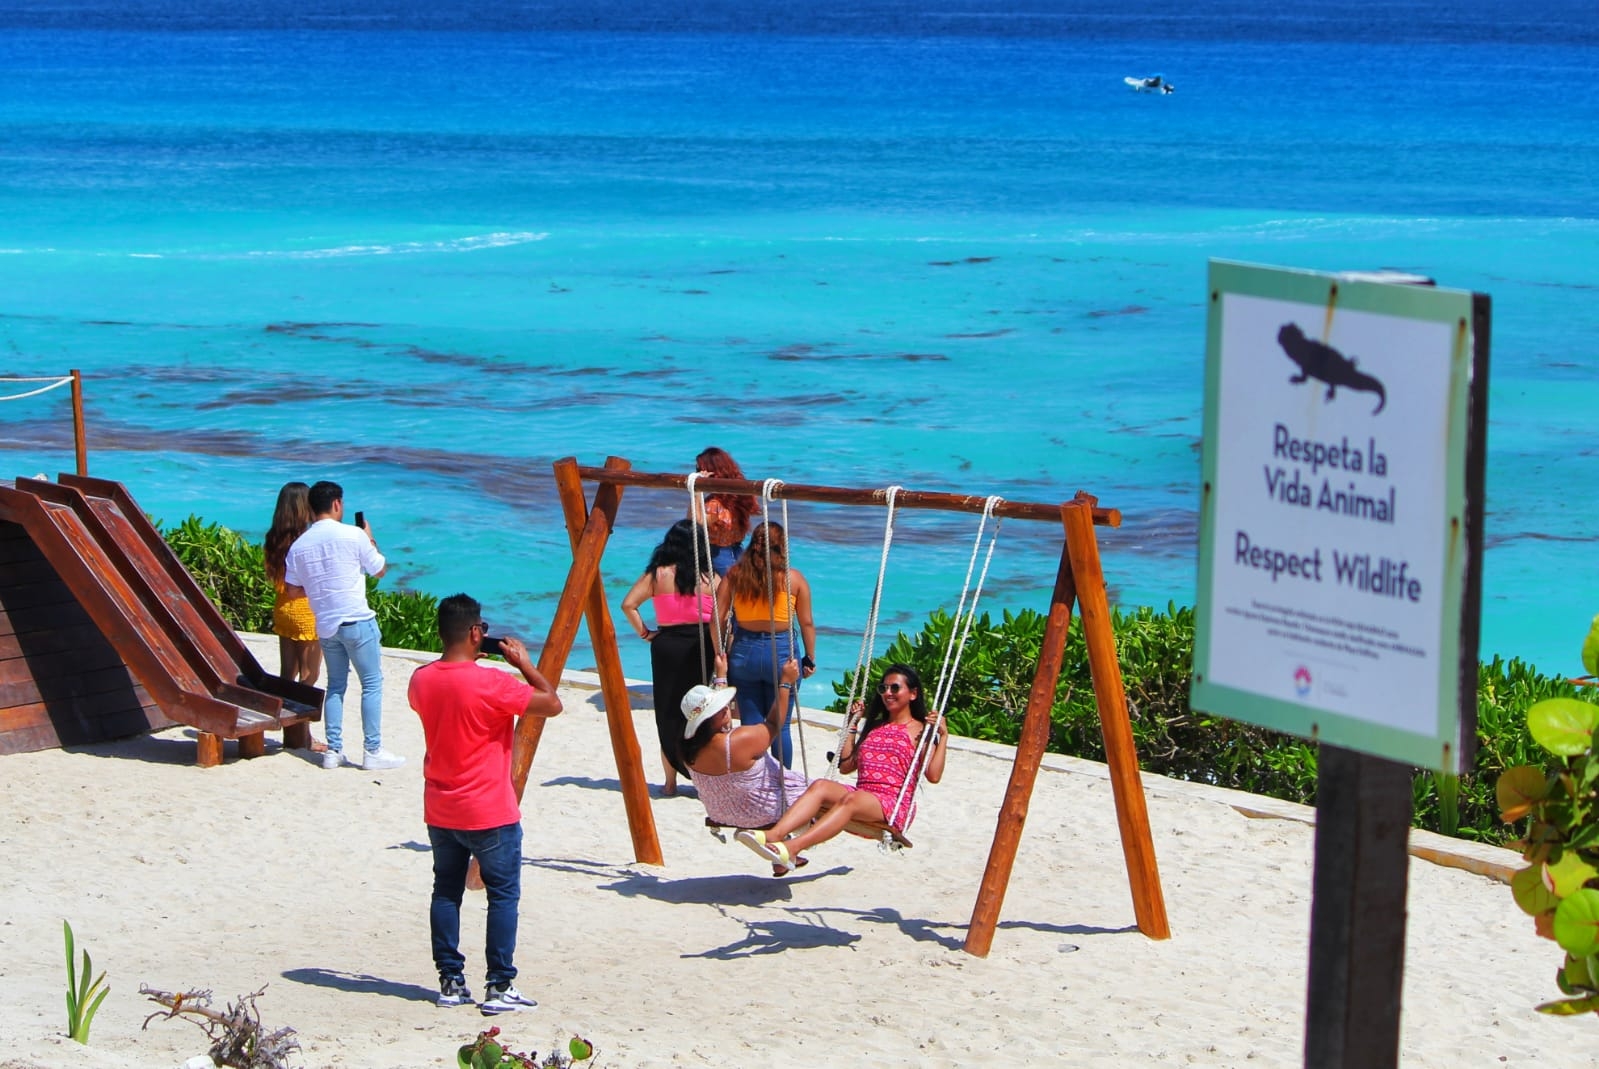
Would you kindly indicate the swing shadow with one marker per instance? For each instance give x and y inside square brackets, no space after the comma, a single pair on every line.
[719,891]
[776,937]
[923,930]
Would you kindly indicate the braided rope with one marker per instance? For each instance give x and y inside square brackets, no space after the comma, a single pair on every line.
[857,687]
[960,630]
[696,506]
[54,384]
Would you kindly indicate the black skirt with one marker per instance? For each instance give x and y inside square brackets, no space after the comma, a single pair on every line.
[681,656]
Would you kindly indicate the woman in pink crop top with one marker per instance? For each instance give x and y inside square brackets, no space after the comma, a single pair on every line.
[682,646]
[889,733]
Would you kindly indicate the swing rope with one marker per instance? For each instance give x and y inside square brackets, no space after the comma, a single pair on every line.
[854,705]
[960,629]
[696,502]
[768,490]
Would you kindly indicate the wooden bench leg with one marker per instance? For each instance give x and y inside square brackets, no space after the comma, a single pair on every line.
[208,750]
[253,745]
[297,736]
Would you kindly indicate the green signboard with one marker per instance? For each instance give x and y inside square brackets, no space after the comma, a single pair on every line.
[1340,522]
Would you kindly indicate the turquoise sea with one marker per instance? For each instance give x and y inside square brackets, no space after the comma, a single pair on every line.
[424,250]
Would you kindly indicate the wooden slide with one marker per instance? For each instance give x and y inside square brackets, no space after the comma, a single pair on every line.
[104,634]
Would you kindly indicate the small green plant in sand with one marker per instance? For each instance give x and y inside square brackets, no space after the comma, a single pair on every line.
[1560,886]
[83,994]
[487,1052]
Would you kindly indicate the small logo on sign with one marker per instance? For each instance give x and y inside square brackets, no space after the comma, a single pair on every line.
[1302,681]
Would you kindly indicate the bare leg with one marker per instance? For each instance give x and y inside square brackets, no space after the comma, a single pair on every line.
[858,806]
[288,658]
[803,811]
[670,790]
[310,662]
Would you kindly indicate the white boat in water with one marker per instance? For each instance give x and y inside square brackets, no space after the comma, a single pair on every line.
[1153,84]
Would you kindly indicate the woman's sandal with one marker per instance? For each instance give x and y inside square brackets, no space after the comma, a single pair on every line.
[755,839]
[798,863]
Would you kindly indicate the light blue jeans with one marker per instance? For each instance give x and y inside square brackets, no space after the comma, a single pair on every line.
[754,667]
[360,644]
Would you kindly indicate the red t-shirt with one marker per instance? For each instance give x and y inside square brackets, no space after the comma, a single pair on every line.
[468,718]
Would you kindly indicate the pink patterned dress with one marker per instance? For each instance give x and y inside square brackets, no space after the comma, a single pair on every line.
[753,798]
[883,761]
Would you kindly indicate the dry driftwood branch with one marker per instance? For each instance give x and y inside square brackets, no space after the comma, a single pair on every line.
[237,1037]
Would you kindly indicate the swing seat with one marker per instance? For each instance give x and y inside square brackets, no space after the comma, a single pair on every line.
[863,828]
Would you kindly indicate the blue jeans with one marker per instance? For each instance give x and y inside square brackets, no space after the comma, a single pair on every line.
[359,644]
[724,557]
[499,858]
[751,668]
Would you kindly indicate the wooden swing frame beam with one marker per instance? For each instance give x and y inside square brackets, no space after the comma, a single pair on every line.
[1079,580]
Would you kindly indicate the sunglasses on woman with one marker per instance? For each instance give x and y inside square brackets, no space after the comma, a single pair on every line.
[890,688]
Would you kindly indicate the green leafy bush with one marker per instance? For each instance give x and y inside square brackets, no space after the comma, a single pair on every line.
[988,699]
[1559,808]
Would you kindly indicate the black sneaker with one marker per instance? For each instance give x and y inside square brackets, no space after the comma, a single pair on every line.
[454,992]
[504,998]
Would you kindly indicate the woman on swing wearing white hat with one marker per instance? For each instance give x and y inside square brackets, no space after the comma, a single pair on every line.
[732,766]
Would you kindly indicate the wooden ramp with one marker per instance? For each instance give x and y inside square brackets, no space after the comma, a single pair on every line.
[103,633]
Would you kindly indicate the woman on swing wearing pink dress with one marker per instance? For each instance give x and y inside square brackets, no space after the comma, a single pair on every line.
[882,759]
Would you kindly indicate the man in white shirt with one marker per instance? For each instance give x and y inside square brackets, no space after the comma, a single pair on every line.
[329,563]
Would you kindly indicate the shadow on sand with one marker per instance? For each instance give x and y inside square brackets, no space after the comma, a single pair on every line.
[361,984]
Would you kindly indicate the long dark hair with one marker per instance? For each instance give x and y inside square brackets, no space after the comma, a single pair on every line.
[700,739]
[877,713]
[720,463]
[677,549]
[289,520]
[748,576]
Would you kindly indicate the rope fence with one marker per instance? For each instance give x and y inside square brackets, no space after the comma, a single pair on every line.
[73,379]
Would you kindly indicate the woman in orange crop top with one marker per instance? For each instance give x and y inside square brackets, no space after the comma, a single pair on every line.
[682,648]
[769,602]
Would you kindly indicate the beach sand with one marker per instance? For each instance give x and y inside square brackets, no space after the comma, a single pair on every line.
[314,884]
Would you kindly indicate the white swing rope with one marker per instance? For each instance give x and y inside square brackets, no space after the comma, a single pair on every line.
[696,508]
[960,629]
[768,489]
[858,682]
[54,384]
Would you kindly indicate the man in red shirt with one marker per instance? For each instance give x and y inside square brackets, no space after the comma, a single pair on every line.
[468,716]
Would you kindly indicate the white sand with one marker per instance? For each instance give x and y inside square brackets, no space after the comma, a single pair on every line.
[275,872]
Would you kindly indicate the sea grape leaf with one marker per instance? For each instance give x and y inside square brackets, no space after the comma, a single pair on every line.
[1527,887]
[1571,1007]
[1577,923]
[1563,726]
[1567,876]
[1544,924]
[1590,649]
[1518,788]
[1577,977]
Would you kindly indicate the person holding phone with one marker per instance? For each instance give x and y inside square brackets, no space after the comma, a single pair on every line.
[469,713]
[328,565]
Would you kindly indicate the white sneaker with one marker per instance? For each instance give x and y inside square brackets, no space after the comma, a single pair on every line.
[374,762]
[504,1000]
[332,759]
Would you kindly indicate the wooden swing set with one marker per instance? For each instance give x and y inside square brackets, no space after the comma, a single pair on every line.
[1079,580]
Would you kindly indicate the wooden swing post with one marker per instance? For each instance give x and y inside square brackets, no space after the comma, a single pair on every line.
[588,530]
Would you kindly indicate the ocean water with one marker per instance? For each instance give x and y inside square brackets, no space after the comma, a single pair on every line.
[425,250]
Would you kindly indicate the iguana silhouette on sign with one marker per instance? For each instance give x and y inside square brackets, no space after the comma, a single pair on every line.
[1320,361]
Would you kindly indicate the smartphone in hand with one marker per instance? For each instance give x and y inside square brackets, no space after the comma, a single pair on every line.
[360,520]
[491,646]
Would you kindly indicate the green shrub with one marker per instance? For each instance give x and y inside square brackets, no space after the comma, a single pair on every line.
[988,699]
[229,568]
[84,995]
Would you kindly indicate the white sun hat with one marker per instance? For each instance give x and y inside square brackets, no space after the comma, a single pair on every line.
[701,703]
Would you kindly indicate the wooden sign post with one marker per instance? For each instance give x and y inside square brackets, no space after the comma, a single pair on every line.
[1340,584]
